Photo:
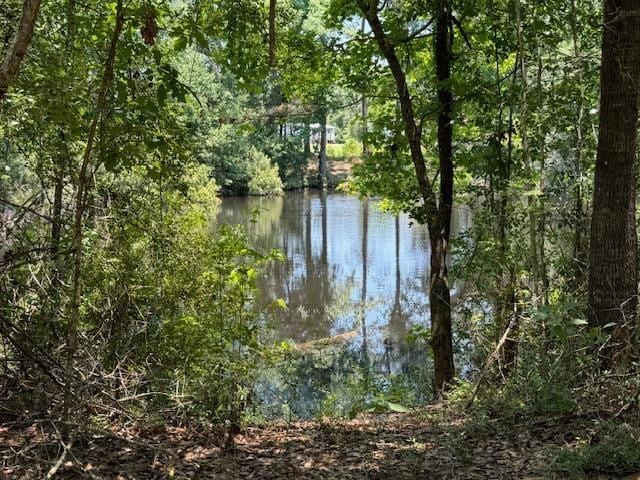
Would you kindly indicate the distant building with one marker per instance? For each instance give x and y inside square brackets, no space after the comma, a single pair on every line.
[314,132]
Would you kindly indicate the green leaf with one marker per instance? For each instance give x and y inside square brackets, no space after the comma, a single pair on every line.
[200,39]
[180,44]
[578,321]
[396,407]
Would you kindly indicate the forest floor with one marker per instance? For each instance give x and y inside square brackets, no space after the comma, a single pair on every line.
[421,445]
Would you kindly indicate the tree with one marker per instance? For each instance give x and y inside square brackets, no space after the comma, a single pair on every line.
[613,279]
[437,211]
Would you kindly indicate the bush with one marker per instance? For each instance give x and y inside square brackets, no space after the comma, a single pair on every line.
[264,178]
[613,449]
[175,297]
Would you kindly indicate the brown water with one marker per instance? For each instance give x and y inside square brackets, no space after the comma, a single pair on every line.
[353,274]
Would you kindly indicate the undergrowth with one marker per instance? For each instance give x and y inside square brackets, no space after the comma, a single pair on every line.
[611,449]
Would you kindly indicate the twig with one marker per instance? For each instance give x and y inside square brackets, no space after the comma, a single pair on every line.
[26,208]
[492,359]
[66,449]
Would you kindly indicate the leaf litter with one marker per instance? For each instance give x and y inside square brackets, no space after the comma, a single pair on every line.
[418,445]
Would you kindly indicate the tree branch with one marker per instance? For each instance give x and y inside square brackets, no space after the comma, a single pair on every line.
[16,52]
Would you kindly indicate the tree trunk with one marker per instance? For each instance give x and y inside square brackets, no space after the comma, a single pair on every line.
[18,49]
[532,206]
[364,104]
[322,156]
[542,216]
[307,141]
[437,214]
[579,246]
[612,273]
[272,34]
[440,306]
[365,132]
[79,210]
[439,297]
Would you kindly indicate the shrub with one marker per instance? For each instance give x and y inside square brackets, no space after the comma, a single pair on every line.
[613,449]
[264,177]
[173,296]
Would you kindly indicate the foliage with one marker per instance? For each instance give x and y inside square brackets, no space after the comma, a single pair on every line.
[264,177]
[184,296]
[114,276]
[611,449]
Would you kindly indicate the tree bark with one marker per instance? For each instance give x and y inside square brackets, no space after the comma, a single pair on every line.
[18,49]
[437,213]
[439,297]
[612,273]
[272,34]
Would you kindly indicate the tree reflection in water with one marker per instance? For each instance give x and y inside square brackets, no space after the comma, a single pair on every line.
[355,281]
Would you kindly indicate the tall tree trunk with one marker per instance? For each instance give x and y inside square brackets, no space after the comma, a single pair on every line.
[364,106]
[18,49]
[437,213]
[272,34]
[274,99]
[322,156]
[542,216]
[60,167]
[79,211]
[526,155]
[612,273]
[365,114]
[439,296]
[579,246]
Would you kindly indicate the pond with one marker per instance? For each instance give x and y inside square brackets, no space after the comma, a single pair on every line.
[355,281]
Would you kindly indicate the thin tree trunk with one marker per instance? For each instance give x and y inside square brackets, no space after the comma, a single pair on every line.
[18,49]
[59,178]
[364,105]
[365,114]
[307,140]
[509,315]
[578,242]
[79,210]
[272,34]
[274,92]
[322,156]
[526,157]
[542,216]
[612,274]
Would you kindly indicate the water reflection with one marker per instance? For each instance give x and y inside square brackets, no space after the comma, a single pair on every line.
[355,280]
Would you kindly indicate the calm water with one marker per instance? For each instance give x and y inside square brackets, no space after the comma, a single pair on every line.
[355,280]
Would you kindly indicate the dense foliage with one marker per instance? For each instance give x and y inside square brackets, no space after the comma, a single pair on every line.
[124,122]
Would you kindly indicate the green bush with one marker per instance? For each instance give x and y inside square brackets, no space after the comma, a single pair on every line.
[174,295]
[264,178]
